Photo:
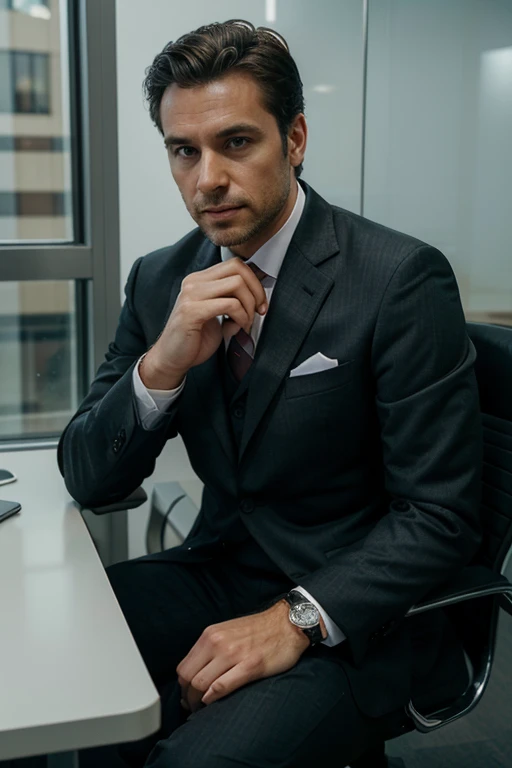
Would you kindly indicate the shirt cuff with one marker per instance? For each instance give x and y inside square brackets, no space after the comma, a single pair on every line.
[334,634]
[152,404]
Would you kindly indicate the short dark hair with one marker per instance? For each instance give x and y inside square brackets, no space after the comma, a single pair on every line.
[214,50]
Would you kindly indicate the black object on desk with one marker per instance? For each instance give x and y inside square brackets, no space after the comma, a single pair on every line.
[8,509]
[6,476]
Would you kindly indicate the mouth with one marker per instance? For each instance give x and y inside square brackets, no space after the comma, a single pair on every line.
[222,211]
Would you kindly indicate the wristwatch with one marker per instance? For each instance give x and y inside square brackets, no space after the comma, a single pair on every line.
[305,615]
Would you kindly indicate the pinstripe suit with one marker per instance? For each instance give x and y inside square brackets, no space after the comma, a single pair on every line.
[361,481]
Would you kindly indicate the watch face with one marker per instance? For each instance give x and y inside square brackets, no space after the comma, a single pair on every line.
[304,615]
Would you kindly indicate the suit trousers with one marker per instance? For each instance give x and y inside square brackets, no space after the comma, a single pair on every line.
[298,718]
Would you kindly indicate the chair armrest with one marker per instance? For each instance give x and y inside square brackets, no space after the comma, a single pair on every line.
[134,500]
[472,582]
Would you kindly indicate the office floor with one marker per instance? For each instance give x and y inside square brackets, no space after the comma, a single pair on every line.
[483,739]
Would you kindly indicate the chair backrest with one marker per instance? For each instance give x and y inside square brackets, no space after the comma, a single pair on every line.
[493,345]
[476,620]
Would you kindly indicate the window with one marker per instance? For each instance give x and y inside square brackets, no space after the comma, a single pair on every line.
[59,296]
[30,82]
[38,357]
[25,82]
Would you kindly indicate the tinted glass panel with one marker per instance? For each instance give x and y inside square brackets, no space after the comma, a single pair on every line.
[37,357]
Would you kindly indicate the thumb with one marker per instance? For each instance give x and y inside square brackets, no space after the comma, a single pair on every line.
[229,328]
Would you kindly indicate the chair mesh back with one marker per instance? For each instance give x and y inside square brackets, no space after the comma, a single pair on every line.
[494,375]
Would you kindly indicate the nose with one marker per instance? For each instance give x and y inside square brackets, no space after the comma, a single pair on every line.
[212,174]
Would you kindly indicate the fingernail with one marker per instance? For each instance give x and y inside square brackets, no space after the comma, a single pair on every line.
[262,309]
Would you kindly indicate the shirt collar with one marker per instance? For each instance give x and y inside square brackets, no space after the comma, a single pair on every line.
[271,254]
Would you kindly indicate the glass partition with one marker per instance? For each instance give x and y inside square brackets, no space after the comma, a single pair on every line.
[438,159]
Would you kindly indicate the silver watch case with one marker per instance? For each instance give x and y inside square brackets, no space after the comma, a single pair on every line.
[304,615]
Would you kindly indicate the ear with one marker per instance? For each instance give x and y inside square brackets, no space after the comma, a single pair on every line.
[297,140]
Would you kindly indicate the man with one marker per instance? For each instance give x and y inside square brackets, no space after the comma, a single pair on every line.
[318,370]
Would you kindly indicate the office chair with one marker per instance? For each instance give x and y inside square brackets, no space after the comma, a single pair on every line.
[484,579]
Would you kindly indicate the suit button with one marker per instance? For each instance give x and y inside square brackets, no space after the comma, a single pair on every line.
[247,506]
[238,412]
[121,436]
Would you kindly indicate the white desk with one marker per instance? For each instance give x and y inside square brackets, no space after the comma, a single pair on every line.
[70,673]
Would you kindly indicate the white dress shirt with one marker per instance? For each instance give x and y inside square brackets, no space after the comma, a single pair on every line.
[152,403]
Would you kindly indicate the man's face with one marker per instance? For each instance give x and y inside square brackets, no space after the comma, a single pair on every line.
[226,156]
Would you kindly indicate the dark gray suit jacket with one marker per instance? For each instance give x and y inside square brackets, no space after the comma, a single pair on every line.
[362,481]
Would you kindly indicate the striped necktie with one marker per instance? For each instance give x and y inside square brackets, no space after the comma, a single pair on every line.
[240,351]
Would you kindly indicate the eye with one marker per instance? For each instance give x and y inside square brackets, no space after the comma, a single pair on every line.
[184,152]
[238,142]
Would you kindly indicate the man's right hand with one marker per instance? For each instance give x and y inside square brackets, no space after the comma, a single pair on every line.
[193,333]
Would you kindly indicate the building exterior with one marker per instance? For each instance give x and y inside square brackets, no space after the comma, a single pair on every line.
[35,205]
[35,168]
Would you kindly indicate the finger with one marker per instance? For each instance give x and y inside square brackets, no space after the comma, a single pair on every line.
[196,659]
[190,695]
[233,286]
[202,311]
[194,699]
[254,284]
[232,267]
[229,328]
[215,669]
[230,681]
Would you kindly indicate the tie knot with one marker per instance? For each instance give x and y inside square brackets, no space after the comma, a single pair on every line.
[260,274]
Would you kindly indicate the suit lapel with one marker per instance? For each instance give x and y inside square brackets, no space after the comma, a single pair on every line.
[299,293]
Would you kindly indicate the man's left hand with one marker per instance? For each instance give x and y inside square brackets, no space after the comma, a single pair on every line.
[234,653]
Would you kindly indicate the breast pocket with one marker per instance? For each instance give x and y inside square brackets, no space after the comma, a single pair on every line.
[323,381]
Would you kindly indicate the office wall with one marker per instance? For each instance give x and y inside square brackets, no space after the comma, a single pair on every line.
[438,150]
[152,213]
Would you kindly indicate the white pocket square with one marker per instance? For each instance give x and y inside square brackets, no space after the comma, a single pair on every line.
[314,364]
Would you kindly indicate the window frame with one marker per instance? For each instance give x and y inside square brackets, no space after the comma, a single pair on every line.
[92,259]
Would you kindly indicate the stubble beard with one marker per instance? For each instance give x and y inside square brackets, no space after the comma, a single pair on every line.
[233,236]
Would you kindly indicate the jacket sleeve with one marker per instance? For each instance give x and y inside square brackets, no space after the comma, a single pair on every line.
[428,410]
[104,452]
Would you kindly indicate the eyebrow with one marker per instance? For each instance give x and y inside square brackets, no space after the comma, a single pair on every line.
[224,134]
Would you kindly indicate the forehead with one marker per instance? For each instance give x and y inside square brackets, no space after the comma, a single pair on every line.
[203,109]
